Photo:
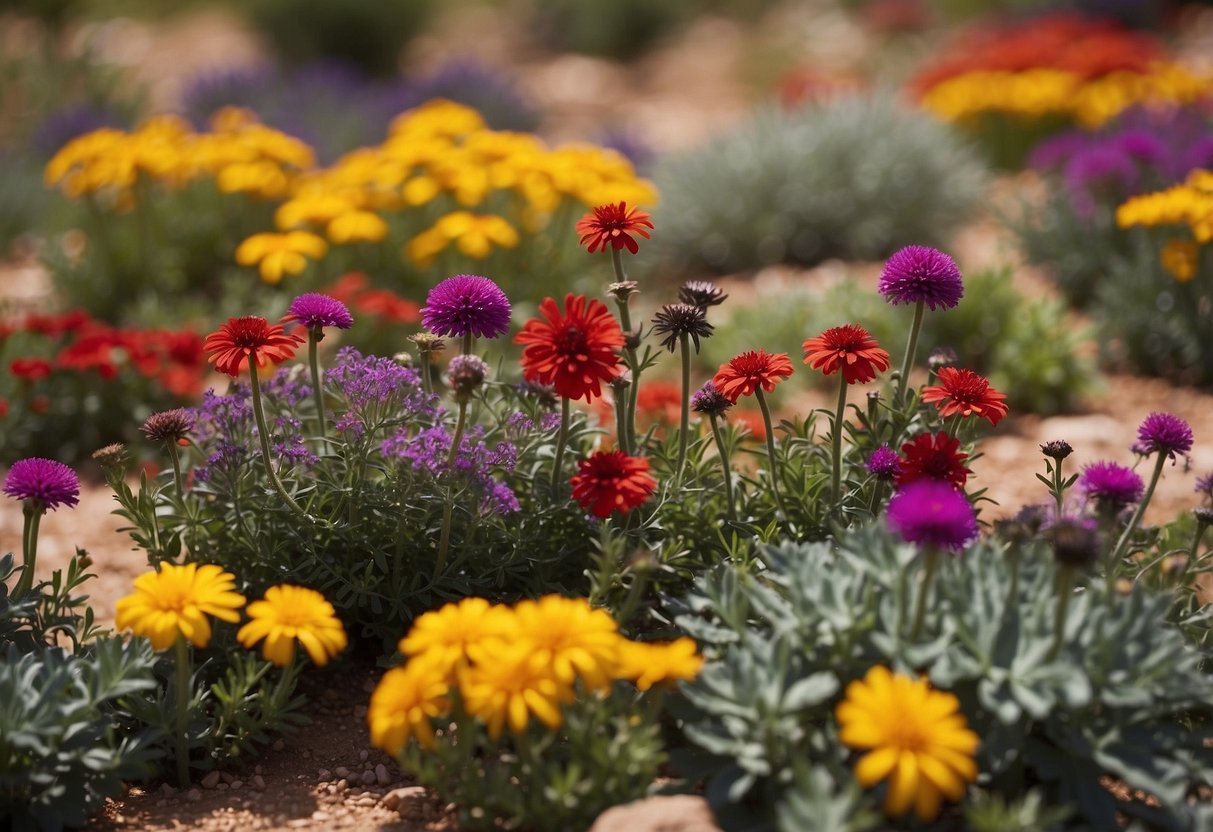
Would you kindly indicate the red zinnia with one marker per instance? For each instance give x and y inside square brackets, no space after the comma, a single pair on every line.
[30,369]
[610,480]
[573,352]
[613,225]
[850,348]
[933,457]
[966,393]
[743,374]
[249,338]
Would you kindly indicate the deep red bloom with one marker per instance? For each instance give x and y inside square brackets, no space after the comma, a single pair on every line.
[933,457]
[743,374]
[249,337]
[53,326]
[574,352]
[850,348]
[30,369]
[610,480]
[613,225]
[388,306]
[966,393]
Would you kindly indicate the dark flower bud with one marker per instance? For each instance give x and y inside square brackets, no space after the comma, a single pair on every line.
[1057,449]
[466,373]
[709,400]
[623,290]
[111,455]
[427,342]
[677,319]
[701,293]
[1074,540]
[168,425]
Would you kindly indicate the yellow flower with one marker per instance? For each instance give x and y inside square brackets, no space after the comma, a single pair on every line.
[177,600]
[438,117]
[444,636]
[261,178]
[1180,258]
[357,227]
[404,702]
[318,207]
[280,254]
[509,681]
[649,664]
[572,637]
[473,234]
[917,738]
[288,614]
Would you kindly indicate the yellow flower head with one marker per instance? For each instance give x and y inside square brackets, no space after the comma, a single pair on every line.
[916,738]
[280,254]
[1180,258]
[444,636]
[509,681]
[575,639]
[649,664]
[357,227]
[177,600]
[291,613]
[403,704]
[474,235]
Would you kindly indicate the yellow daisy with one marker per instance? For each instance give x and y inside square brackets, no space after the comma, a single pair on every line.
[445,635]
[292,613]
[649,664]
[177,600]
[276,255]
[572,637]
[403,704]
[507,682]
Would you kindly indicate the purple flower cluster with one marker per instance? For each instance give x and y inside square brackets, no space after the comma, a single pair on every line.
[518,424]
[884,463]
[932,513]
[376,388]
[708,399]
[44,482]
[316,311]
[466,304]
[428,450]
[920,274]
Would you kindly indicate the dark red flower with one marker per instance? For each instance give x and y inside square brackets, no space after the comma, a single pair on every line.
[745,373]
[613,225]
[933,457]
[607,481]
[574,352]
[849,348]
[249,338]
[30,369]
[966,393]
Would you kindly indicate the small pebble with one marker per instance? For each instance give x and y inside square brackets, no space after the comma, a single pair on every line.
[278,745]
[193,795]
[222,787]
[228,777]
[161,803]
[237,784]
[259,781]
[343,784]
[211,779]
[398,797]
[342,771]
[166,789]
[363,754]
[256,769]
[323,774]
[381,775]
[368,778]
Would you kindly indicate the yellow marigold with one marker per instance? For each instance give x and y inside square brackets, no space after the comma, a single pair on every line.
[313,208]
[404,703]
[276,255]
[261,178]
[78,153]
[507,682]
[438,117]
[575,639]
[916,738]
[445,635]
[648,664]
[292,613]
[357,227]
[177,600]
[1180,258]
[474,235]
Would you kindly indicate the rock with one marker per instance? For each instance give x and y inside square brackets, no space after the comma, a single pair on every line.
[258,782]
[673,813]
[211,780]
[343,772]
[256,769]
[343,784]
[381,775]
[324,774]
[398,798]
[167,790]
[227,777]
[278,745]
[363,755]
[368,778]
[237,784]
[193,795]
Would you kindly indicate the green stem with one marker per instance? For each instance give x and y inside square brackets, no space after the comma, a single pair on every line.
[426,384]
[625,321]
[908,361]
[774,472]
[723,451]
[182,707]
[924,590]
[33,512]
[561,438]
[1058,487]
[448,509]
[1123,542]
[175,456]
[1013,590]
[619,398]
[313,360]
[839,415]
[465,346]
[264,435]
[1065,588]
[684,425]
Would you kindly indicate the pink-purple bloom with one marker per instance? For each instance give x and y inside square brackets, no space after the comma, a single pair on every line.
[466,304]
[884,464]
[316,311]
[44,482]
[1110,484]
[932,513]
[429,450]
[918,274]
[1204,485]
[709,400]
[1164,433]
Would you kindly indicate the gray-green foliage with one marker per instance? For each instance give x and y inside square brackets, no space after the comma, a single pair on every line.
[854,178]
[1124,697]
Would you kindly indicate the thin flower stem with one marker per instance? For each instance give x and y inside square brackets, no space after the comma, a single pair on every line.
[1200,532]
[839,415]
[766,420]
[723,452]
[1059,490]
[29,548]
[561,438]
[625,321]
[426,384]
[465,346]
[924,590]
[182,709]
[175,456]
[684,431]
[1119,551]
[1065,588]
[911,348]
[448,508]
[264,435]
[313,360]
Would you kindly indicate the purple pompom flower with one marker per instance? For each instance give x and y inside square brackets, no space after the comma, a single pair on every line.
[917,274]
[884,464]
[1111,485]
[1164,433]
[466,304]
[709,400]
[316,311]
[46,483]
[932,514]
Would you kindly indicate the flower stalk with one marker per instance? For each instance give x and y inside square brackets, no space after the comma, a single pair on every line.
[766,421]
[313,360]
[911,348]
[33,512]
[448,509]
[685,419]
[263,434]
[839,415]
[723,452]
[633,362]
[1122,544]
[561,440]
[931,555]
[1065,588]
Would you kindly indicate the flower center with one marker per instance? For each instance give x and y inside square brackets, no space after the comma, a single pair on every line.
[571,340]
[248,333]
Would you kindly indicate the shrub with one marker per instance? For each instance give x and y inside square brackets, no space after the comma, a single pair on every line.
[854,178]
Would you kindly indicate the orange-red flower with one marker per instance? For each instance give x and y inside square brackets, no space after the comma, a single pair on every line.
[743,374]
[573,352]
[251,338]
[613,225]
[966,393]
[611,480]
[849,348]
[30,369]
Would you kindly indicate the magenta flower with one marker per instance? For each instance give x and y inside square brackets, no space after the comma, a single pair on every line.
[708,399]
[466,304]
[917,274]
[46,483]
[1164,433]
[1111,485]
[932,513]
[884,464]
[315,311]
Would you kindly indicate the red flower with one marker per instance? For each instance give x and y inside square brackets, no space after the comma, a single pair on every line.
[574,352]
[933,457]
[850,348]
[250,338]
[610,480]
[388,306]
[966,393]
[53,326]
[30,369]
[743,374]
[660,400]
[613,225]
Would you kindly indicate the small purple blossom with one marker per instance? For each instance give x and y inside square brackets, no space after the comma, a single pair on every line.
[44,482]
[429,449]
[168,425]
[932,513]
[465,374]
[224,462]
[884,464]
[316,311]
[1165,433]
[1110,485]
[708,399]
[1204,485]
[466,304]
[376,388]
[917,274]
